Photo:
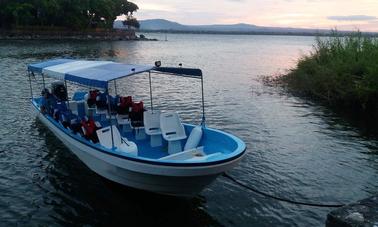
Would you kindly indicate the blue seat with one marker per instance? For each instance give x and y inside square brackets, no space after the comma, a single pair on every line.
[79,95]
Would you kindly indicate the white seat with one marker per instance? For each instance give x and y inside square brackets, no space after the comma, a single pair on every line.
[122,119]
[73,107]
[151,122]
[124,122]
[173,131]
[185,155]
[121,143]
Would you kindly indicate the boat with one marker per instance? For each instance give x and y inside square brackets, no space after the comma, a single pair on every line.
[123,140]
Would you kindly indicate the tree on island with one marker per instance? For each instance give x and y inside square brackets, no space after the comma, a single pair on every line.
[128,10]
[68,14]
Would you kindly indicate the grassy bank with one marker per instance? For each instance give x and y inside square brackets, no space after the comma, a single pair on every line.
[341,71]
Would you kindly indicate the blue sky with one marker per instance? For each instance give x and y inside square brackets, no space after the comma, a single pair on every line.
[341,14]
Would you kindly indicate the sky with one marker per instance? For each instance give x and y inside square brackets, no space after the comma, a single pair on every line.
[340,14]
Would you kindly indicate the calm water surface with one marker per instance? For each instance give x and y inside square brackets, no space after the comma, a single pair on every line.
[296,149]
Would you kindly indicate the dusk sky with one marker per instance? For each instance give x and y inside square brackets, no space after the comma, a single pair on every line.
[342,14]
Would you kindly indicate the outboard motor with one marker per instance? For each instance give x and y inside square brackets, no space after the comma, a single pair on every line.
[59,90]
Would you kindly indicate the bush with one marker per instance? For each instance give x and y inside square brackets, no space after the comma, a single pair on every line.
[341,70]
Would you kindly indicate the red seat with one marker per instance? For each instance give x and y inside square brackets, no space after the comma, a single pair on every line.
[89,128]
[124,105]
[92,97]
[136,115]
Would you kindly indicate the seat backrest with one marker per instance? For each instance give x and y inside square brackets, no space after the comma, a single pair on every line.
[124,104]
[105,137]
[137,107]
[78,95]
[136,115]
[116,136]
[126,101]
[101,101]
[89,125]
[151,119]
[61,106]
[170,125]
[73,106]
[92,95]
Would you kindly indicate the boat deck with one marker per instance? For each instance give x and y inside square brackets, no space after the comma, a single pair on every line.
[215,146]
[144,148]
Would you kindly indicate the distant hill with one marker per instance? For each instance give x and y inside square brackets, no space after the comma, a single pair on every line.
[161,25]
[166,25]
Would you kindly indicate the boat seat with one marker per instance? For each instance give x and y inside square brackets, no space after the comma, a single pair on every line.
[151,122]
[173,131]
[72,105]
[198,158]
[192,155]
[82,109]
[120,143]
[102,113]
[79,95]
[136,120]
[122,119]
[124,122]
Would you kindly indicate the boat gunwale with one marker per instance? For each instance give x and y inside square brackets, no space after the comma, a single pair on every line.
[238,141]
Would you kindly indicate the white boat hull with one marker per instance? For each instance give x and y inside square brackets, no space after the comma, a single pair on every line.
[171,180]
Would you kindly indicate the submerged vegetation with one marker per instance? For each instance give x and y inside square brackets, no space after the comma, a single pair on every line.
[341,71]
[69,14]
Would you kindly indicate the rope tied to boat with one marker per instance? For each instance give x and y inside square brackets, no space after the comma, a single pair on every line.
[243,185]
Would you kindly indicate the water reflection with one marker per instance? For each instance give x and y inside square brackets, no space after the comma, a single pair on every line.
[77,196]
[296,148]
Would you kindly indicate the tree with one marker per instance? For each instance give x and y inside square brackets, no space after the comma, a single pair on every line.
[126,8]
[131,22]
[71,14]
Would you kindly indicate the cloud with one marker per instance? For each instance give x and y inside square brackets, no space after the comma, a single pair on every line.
[353,18]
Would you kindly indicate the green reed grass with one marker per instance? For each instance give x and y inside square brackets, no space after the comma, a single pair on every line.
[341,70]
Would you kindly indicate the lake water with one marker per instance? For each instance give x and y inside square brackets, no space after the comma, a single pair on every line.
[296,149]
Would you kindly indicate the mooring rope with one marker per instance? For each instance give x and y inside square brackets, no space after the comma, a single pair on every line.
[279,198]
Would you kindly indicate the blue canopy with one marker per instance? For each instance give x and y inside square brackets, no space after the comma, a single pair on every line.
[99,73]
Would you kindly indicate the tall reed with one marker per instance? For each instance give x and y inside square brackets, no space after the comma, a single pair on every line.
[340,70]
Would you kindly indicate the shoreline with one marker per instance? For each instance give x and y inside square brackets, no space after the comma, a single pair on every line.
[97,35]
[270,33]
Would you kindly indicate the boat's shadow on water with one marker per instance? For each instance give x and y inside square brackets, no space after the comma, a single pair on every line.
[78,196]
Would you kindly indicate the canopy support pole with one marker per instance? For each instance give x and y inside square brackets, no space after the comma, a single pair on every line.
[43,81]
[31,88]
[115,87]
[149,78]
[110,117]
[68,101]
[203,104]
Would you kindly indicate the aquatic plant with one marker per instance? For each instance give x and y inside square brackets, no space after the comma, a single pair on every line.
[341,70]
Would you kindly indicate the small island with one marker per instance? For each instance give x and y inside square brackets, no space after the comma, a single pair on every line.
[81,20]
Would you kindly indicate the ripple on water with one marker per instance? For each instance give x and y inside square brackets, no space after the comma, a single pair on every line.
[296,149]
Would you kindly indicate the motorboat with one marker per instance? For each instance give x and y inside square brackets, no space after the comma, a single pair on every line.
[123,140]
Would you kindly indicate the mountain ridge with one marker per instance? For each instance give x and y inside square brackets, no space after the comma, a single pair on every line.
[166,25]
[163,25]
